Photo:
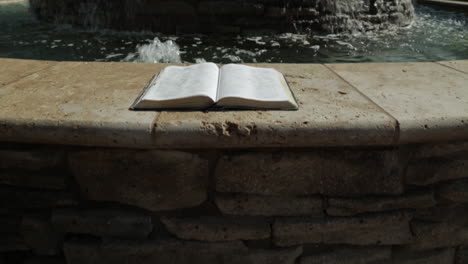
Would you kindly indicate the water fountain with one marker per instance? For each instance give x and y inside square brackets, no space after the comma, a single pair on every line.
[239,16]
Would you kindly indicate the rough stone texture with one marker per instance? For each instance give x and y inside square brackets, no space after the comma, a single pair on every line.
[424,151]
[13,70]
[461,65]
[9,224]
[440,93]
[349,207]
[437,169]
[34,168]
[448,213]
[456,191]
[154,180]
[175,252]
[93,111]
[54,180]
[258,205]
[146,252]
[31,160]
[40,235]
[103,222]
[386,229]
[440,256]
[349,255]
[334,173]
[12,242]
[430,235]
[277,256]
[28,198]
[90,111]
[331,113]
[461,256]
[218,228]
[44,260]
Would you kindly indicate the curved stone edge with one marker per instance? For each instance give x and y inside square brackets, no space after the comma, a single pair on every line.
[109,134]
[367,104]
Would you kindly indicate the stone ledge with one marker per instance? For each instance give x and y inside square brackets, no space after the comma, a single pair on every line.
[367,104]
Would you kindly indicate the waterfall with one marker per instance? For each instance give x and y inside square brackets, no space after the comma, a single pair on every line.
[329,15]
[364,15]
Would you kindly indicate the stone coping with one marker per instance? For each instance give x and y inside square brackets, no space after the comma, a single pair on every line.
[365,104]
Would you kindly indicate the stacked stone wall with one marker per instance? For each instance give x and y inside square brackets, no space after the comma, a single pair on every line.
[221,16]
[406,204]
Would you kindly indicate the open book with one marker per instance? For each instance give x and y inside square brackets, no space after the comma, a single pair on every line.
[202,86]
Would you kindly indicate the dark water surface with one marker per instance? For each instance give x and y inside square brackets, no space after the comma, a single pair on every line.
[434,35]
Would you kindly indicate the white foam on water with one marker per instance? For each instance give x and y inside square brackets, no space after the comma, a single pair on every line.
[156,52]
[200,60]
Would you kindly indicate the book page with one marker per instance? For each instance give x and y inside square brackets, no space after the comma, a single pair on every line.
[176,82]
[260,84]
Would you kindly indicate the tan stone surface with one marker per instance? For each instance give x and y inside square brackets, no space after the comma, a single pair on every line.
[461,65]
[12,70]
[78,103]
[430,101]
[331,113]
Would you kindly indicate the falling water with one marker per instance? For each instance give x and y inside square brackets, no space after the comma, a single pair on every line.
[156,52]
[433,35]
[330,15]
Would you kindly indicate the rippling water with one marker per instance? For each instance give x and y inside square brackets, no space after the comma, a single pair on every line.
[434,35]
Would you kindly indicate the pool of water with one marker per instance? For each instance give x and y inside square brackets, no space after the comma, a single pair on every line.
[434,35]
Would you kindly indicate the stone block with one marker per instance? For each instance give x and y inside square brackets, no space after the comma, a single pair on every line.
[154,180]
[44,260]
[461,65]
[218,228]
[92,112]
[147,252]
[11,198]
[437,169]
[12,242]
[440,92]
[48,179]
[385,229]
[9,224]
[338,116]
[448,213]
[277,256]
[349,207]
[31,159]
[259,205]
[439,256]
[103,222]
[431,235]
[14,69]
[455,191]
[424,151]
[461,256]
[40,235]
[334,173]
[349,255]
